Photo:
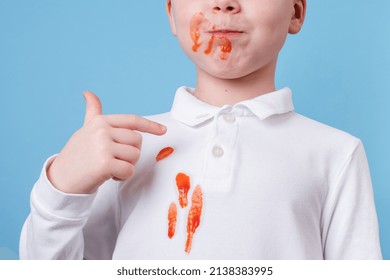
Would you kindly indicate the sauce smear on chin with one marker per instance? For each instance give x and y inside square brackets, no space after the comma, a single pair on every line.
[226,47]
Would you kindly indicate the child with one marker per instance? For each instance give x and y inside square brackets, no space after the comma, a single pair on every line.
[233,172]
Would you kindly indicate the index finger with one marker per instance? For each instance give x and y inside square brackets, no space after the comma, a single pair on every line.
[135,122]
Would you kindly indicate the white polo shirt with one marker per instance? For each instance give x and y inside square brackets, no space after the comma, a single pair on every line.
[275,185]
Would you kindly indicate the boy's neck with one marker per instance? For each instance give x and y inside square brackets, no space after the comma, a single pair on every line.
[218,92]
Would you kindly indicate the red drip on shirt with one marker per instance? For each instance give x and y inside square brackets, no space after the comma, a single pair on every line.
[183,186]
[164,153]
[172,218]
[194,214]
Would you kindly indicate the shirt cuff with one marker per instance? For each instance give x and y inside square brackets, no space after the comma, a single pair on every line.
[58,203]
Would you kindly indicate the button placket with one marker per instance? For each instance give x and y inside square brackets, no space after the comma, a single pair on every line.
[218,151]
[217,169]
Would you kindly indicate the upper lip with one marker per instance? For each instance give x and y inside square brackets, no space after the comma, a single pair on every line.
[225,31]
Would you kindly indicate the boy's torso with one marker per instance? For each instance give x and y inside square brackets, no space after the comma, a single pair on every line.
[264,183]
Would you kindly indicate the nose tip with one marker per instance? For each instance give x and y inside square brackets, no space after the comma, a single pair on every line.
[226,6]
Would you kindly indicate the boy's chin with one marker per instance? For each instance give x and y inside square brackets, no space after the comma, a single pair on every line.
[226,73]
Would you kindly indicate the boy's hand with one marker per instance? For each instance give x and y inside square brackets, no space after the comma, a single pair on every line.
[105,147]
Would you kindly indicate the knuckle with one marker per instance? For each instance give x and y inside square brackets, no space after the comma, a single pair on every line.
[102,131]
[103,147]
[104,165]
[137,154]
[138,137]
[129,171]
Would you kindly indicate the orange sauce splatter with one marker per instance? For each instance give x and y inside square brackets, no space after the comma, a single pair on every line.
[210,45]
[164,153]
[172,218]
[194,214]
[195,23]
[183,186]
[225,46]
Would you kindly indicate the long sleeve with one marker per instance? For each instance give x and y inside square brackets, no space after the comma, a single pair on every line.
[58,223]
[349,220]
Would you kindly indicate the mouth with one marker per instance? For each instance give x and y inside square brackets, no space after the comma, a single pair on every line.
[225,32]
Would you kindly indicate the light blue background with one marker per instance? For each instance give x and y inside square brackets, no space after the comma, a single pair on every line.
[51,51]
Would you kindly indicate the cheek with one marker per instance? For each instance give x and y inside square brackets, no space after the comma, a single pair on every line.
[195,31]
[271,33]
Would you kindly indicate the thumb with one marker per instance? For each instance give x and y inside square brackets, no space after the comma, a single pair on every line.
[93,106]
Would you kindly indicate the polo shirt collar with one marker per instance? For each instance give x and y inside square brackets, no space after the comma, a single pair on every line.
[191,111]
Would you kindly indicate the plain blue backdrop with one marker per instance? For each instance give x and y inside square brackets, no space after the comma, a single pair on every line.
[53,50]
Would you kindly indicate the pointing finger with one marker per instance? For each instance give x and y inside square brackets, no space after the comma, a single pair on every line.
[127,137]
[135,122]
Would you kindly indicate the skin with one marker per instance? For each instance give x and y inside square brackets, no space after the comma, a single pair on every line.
[108,146]
[257,30]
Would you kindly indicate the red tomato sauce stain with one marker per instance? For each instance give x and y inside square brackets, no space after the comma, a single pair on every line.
[172,218]
[164,153]
[194,214]
[224,43]
[210,45]
[226,47]
[183,186]
[195,23]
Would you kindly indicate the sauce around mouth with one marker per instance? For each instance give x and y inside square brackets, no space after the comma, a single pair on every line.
[225,45]
[210,45]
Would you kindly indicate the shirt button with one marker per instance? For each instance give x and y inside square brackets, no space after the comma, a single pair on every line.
[229,117]
[218,151]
